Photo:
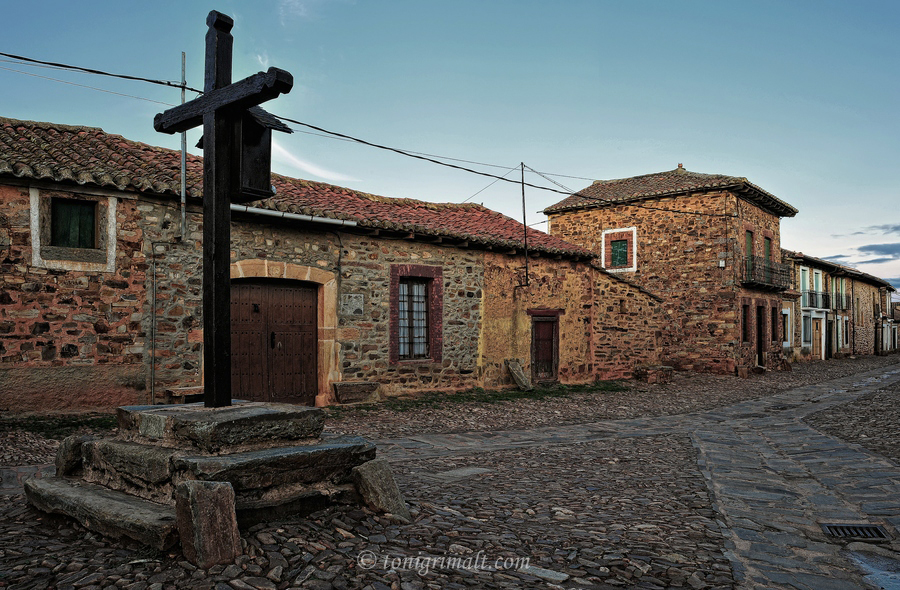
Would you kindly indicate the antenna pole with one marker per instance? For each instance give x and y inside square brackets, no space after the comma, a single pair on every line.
[524,224]
[183,160]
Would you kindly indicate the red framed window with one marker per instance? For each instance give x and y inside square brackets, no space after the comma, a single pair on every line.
[417,301]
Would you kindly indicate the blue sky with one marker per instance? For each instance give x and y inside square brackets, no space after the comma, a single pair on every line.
[799,97]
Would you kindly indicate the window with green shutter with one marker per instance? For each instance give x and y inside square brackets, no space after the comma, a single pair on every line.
[73,223]
[619,253]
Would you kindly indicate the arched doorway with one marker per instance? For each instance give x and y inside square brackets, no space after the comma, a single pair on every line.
[325,349]
[274,333]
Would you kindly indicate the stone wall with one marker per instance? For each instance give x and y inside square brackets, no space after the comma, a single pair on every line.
[70,331]
[865,297]
[626,328]
[562,286]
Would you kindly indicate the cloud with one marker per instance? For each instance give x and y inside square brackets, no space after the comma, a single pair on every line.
[875,261]
[889,250]
[889,228]
[835,258]
[279,153]
[263,60]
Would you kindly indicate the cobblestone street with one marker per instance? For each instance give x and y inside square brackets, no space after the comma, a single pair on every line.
[728,495]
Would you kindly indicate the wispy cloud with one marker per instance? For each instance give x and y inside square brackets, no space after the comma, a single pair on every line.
[280,153]
[836,257]
[889,228]
[892,251]
[263,59]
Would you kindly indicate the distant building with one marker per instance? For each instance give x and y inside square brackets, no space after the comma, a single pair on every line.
[709,244]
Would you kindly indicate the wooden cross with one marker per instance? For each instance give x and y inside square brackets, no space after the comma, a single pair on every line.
[221,110]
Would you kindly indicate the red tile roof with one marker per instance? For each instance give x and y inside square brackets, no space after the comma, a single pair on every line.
[90,156]
[667,184]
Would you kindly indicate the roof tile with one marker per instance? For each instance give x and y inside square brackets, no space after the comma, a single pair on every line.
[90,156]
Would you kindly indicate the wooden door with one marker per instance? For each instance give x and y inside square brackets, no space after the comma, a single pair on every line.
[817,338]
[544,348]
[760,336]
[274,339]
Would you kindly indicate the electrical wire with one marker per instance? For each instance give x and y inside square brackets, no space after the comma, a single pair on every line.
[168,104]
[567,193]
[418,155]
[513,169]
[99,72]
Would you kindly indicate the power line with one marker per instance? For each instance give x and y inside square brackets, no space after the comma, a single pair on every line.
[99,72]
[567,192]
[418,155]
[86,86]
[513,169]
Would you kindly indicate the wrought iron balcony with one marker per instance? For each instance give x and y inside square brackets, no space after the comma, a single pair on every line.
[824,300]
[766,274]
[840,301]
[816,299]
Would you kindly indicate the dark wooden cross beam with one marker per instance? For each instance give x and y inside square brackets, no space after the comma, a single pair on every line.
[222,109]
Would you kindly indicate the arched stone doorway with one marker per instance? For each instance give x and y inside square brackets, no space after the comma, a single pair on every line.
[327,363]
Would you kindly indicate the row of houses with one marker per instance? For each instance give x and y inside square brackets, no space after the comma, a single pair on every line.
[338,293]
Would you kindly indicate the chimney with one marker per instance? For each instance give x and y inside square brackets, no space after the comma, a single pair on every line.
[680,169]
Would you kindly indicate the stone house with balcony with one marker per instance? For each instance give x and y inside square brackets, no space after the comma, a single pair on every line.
[334,291]
[833,310]
[709,244]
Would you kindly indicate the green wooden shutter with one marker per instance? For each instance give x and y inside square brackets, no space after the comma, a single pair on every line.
[619,253]
[73,223]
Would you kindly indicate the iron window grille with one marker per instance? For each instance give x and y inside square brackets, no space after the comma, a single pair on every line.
[412,308]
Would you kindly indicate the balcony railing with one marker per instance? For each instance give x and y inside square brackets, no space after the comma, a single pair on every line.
[824,300]
[766,274]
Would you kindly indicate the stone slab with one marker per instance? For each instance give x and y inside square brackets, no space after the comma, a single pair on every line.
[207,523]
[518,374]
[379,490]
[351,392]
[328,461]
[111,513]
[244,425]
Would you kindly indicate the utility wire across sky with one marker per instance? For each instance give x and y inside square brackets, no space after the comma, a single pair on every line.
[434,159]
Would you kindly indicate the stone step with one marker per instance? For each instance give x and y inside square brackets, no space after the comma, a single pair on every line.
[109,512]
[260,478]
[241,426]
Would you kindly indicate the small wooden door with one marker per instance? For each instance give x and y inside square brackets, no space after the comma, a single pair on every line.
[817,338]
[760,336]
[274,337]
[544,348]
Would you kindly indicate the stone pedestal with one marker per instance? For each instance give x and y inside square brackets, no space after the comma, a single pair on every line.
[272,456]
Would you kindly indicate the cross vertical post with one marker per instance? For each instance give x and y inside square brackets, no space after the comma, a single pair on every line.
[221,110]
[218,185]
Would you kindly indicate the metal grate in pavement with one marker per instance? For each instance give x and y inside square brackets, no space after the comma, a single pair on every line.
[871,533]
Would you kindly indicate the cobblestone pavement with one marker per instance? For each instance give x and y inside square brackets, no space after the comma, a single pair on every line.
[725,497]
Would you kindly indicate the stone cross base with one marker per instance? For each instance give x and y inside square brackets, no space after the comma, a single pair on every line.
[251,462]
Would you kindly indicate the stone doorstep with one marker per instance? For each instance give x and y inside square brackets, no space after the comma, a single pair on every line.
[111,513]
[265,476]
[239,426]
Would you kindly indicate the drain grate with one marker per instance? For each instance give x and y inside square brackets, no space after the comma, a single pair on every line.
[871,533]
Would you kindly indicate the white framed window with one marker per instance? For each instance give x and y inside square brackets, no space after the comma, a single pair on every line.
[72,231]
[618,249]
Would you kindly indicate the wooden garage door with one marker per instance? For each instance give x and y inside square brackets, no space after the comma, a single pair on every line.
[274,341]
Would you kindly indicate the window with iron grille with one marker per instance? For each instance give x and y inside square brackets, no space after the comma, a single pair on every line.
[412,307]
[416,314]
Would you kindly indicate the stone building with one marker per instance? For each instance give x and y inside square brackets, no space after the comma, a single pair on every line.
[834,310]
[334,291]
[708,243]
